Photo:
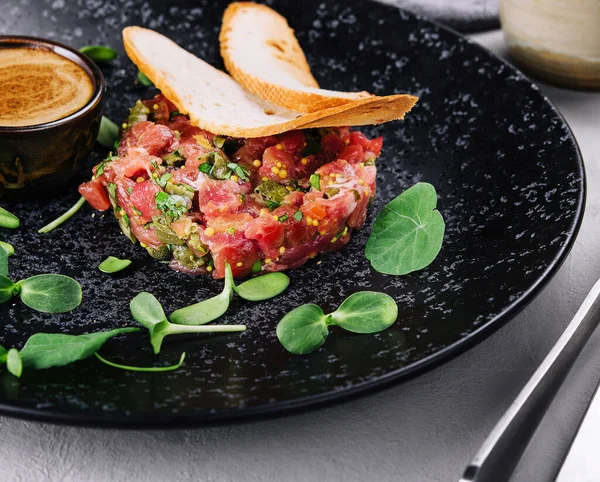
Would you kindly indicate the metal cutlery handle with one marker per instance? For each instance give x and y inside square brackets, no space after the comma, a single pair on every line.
[498,456]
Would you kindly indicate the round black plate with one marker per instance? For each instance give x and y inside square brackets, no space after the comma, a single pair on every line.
[511,188]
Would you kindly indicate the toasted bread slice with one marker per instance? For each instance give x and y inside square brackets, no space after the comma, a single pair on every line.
[217,103]
[261,52]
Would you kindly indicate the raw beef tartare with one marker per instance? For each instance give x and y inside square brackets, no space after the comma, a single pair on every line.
[262,204]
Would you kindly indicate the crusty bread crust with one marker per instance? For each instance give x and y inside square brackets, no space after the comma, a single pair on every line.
[281,56]
[216,103]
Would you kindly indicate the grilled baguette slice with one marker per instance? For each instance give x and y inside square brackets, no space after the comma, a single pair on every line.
[262,53]
[217,103]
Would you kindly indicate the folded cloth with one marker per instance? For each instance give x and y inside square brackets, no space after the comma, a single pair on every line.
[466,16]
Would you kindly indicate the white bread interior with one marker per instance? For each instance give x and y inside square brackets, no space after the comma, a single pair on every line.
[217,103]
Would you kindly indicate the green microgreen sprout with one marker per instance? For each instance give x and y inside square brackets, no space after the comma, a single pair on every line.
[99,53]
[8,248]
[8,219]
[63,217]
[142,369]
[113,265]
[305,328]
[47,350]
[147,311]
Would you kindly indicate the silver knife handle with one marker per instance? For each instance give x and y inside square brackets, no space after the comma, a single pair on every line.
[498,456]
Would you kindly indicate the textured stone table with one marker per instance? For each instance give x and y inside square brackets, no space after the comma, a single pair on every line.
[423,430]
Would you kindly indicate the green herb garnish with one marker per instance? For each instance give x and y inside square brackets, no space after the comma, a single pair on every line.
[257,266]
[305,329]
[108,133]
[205,167]
[162,180]
[63,217]
[272,191]
[141,369]
[8,219]
[173,206]
[298,215]
[50,293]
[99,53]
[46,350]
[407,234]
[144,80]
[8,248]
[283,217]
[14,362]
[113,265]
[315,181]
[148,312]
[240,171]
[272,205]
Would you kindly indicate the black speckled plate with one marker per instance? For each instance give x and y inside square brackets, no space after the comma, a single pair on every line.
[511,188]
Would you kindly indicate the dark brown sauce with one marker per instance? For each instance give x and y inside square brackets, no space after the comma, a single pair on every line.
[39,86]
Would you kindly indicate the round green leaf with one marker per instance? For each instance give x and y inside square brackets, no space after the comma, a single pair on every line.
[50,293]
[7,289]
[303,329]
[14,364]
[99,53]
[407,234]
[112,264]
[8,219]
[263,287]
[365,312]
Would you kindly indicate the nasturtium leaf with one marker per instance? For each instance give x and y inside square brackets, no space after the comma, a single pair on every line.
[14,362]
[407,234]
[108,133]
[7,289]
[303,330]
[365,312]
[207,310]
[3,262]
[10,250]
[45,350]
[3,355]
[130,368]
[99,53]
[113,265]
[263,287]
[50,293]
[8,219]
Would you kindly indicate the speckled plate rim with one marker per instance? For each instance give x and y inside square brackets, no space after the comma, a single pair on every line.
[151,420]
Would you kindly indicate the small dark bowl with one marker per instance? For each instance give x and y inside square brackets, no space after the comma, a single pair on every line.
[39,158]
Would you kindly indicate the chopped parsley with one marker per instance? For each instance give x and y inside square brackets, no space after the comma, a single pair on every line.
[171,205]
[315,181]
[240,171]
[272,204]
[162,180]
